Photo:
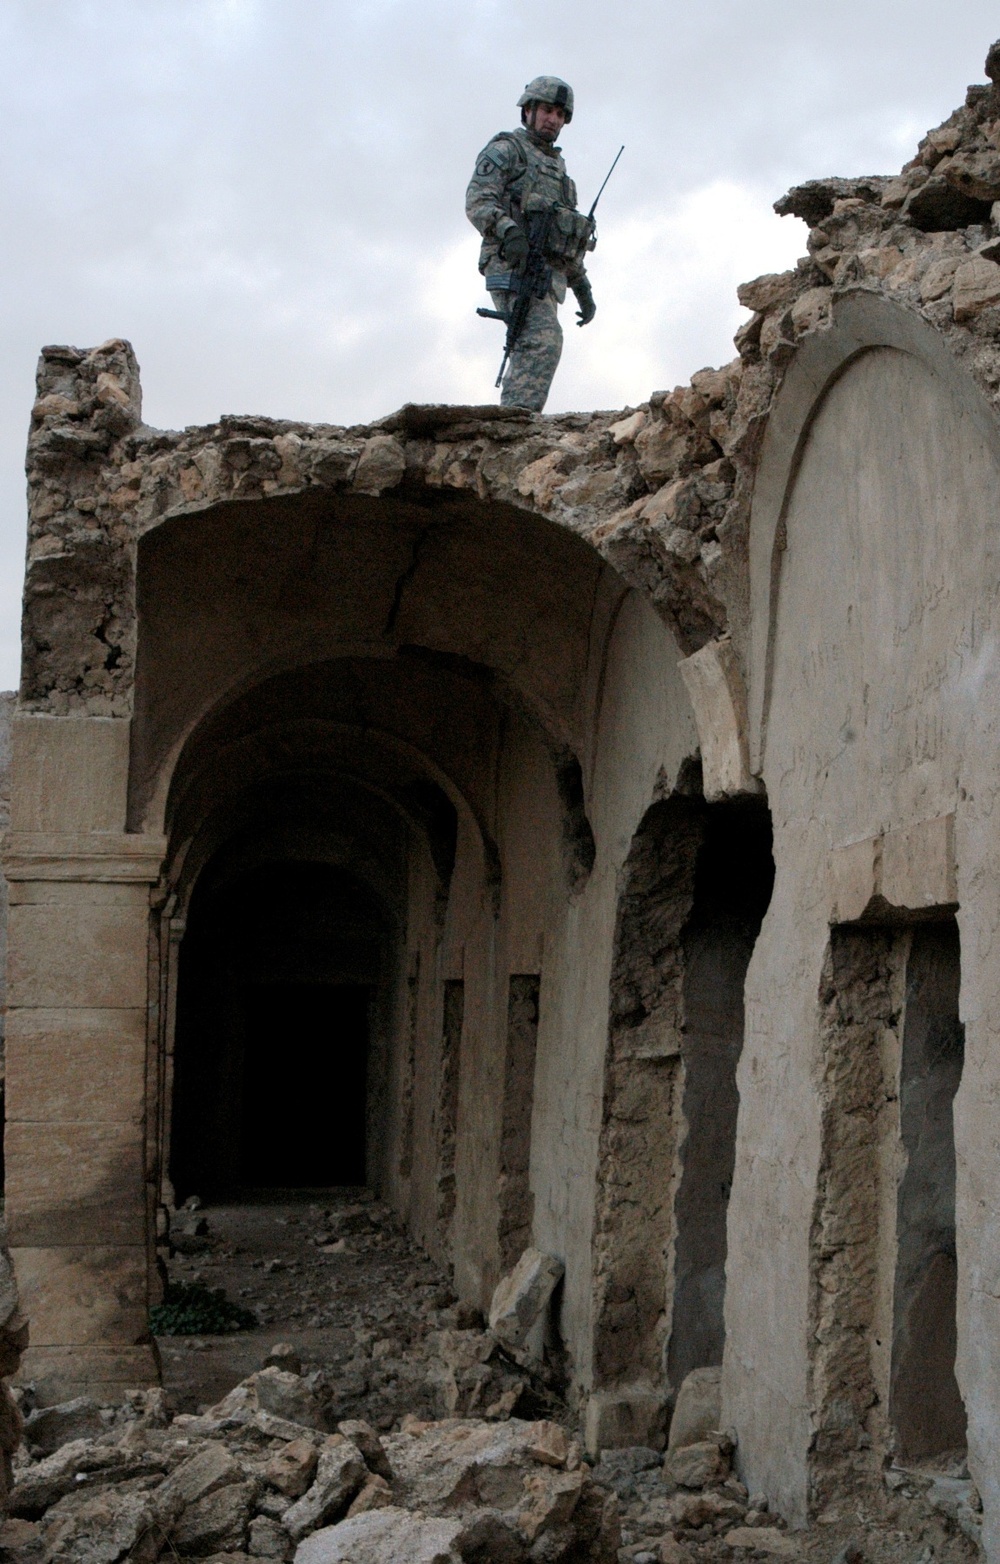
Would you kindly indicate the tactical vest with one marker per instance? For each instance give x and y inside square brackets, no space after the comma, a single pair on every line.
[542,182]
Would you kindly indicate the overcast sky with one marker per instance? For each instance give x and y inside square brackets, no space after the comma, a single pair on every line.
[266,196]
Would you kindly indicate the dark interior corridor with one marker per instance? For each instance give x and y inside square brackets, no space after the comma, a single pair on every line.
[304,1085]
[279,977]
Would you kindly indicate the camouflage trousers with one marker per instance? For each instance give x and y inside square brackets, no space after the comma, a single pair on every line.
[535,358]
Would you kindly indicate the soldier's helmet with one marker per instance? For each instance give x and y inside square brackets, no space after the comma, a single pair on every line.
[548,89]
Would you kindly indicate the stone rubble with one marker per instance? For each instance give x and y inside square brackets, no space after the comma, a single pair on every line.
[271,1470]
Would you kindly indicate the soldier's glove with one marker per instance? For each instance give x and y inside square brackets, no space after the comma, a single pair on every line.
[585,299]
[514,248]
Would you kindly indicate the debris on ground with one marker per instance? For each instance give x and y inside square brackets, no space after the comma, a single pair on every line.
[375,1420]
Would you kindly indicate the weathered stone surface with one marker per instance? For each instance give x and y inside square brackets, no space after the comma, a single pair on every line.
[50,1427]
[340,1472]
[368,1442]
[103,1528]
[382,1537]
[276,1393]
[521,1299]
[268,1539]
[698,1408]
[697,1465]
[199,1476]
[291,1470]
[764,1539]
[215,1523]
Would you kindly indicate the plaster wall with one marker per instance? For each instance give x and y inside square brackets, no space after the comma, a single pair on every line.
[642,733]
[874,684]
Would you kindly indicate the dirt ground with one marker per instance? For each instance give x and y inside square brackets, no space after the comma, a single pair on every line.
[342,1298]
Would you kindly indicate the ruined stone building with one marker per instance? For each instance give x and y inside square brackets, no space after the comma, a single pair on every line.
[619,788]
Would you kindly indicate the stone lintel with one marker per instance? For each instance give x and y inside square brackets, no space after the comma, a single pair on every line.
[912,869]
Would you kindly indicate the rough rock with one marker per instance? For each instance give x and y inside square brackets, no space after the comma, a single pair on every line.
[49,1427]
[698,1408]
[387,1536]
[216,1523]
[521,1300]
[273,1391]
[199,1476]
[764,1539]
[103,1528]
[292,1469]
[977,285]
[340,1472]
[374,1494]
[42,1485]
[268,1539]
[697,1465]
[368,1442]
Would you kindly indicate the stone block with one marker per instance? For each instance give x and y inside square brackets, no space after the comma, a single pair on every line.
[698,1408]
[386,1536]
[977,284]
[623,1418]
[79,952]
[49,1428]
[76,1065]
[106,1373]
[697,1465]
[918,865]
[521,1300]
[90,1295]
[69,773]
[339,1474]
[76,1182]
[852,879]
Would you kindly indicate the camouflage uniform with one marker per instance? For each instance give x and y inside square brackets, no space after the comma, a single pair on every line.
[515,166]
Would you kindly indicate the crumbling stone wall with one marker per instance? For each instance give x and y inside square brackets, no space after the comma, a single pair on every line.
[862,1002]
[446,1118]
[632,1258]
[516,1201]
[925,1407]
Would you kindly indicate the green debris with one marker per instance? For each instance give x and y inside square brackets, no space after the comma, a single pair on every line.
[192,1309]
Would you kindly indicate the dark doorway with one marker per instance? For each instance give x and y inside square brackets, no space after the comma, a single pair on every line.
[304,1085]
[926,1408]
[274,1065]
[733,882]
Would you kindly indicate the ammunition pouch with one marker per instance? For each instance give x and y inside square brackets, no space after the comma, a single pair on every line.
[570,233]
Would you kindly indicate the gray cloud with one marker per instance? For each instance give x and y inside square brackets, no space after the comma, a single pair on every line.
[265,196]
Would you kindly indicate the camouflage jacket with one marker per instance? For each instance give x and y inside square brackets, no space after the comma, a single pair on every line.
[511,168]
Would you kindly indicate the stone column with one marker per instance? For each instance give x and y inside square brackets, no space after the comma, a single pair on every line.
[78,1018]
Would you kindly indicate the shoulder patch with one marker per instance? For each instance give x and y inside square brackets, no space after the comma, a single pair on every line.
[496,155]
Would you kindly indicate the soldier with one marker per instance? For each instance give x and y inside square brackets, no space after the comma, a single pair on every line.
[518,172]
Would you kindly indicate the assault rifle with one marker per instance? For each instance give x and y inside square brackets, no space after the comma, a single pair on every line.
[535,280]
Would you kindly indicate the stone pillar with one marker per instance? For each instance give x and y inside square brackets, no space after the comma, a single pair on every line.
[78,1019]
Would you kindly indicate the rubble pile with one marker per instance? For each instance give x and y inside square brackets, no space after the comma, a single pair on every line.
[243,1480]
[288,1463]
